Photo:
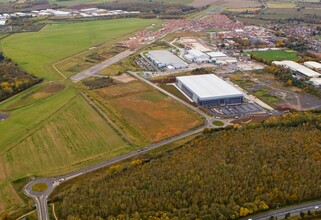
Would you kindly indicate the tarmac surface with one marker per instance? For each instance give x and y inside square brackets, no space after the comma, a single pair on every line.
[95,69]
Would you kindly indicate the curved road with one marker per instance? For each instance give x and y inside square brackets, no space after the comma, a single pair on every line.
[41,198]
[293,210]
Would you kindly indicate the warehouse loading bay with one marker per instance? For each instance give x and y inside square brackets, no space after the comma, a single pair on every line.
[219,97]
[240,110]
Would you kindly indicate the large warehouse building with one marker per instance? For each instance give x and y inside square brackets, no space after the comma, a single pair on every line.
[298,68]
[209,90]
[164,58]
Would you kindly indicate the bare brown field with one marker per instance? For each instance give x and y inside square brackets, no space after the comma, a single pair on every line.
[228,3]
[280,5]
[152,114]
[124,78]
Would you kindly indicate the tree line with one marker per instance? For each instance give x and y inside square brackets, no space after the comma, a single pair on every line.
[13,80]
[149,7]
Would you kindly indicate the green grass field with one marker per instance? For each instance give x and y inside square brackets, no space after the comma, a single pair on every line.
[39,92]
[36,52]
[23,120]
[75,135]
[218,123]
[51,136]
[276,55]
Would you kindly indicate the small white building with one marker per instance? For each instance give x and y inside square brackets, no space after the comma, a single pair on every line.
[216,54]
[221,58]
[316,82]
[313,65]
[3,22]
[61,13]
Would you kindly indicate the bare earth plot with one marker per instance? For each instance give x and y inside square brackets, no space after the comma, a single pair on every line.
[154,115]
[280,5]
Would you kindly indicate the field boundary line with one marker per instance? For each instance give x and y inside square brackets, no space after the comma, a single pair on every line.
[59,72]
[97,108]
[53,211]
[65,59]
[26,215]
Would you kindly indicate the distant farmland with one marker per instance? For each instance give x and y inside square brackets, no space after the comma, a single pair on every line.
[37,51]
[276,55]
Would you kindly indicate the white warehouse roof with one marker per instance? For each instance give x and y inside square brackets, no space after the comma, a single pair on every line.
[297,67]
[216,54]
[209,86]
[316,81]
[313,65]
[166,58]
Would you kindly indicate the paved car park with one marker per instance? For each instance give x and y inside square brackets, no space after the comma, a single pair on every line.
[237,110]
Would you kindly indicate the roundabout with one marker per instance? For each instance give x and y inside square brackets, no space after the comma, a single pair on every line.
[39,187]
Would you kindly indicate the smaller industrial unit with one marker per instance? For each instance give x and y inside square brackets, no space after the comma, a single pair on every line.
[313,65]
[165,59]
[209,90]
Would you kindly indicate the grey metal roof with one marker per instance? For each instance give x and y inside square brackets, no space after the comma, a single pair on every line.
[167,58]
[209,86]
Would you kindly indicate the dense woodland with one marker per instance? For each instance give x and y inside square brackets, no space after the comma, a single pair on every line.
[13,79]
[158,8]
[222,174]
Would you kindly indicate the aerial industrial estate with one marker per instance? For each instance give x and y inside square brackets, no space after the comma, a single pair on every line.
[184,109]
